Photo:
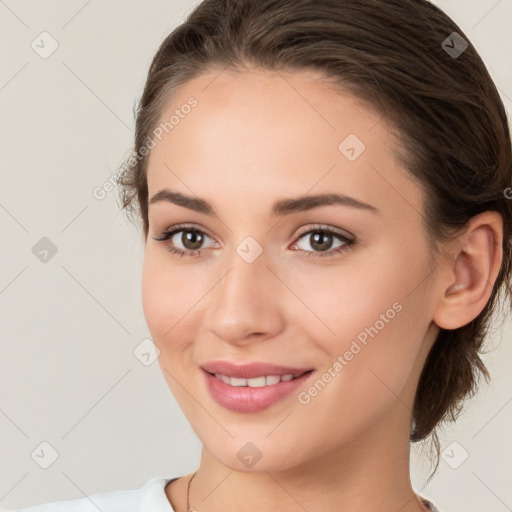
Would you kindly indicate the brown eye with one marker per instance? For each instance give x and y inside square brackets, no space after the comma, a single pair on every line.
[191,239]
[184,240]
[321,240]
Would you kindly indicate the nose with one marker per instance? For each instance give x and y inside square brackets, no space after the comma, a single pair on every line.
[245,304]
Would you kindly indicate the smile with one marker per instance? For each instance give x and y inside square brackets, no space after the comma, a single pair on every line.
[256,382]
[255,394]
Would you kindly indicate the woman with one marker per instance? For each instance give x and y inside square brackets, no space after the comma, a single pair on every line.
[322,189]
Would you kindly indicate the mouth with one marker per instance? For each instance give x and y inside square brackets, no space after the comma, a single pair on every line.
[251,370]
[257,382]
[257,392]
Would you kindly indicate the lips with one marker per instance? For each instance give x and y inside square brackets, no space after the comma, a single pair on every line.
[227,385]
[251,370]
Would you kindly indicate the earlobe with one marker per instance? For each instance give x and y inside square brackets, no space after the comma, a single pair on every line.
[468,283]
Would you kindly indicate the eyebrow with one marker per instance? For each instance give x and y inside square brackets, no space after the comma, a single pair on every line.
[279,209]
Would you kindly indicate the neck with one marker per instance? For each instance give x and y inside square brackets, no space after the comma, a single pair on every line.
[369,473]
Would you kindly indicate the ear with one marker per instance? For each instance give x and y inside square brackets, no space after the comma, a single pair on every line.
[468,280]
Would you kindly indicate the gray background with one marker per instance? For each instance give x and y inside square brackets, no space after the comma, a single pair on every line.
[70,325]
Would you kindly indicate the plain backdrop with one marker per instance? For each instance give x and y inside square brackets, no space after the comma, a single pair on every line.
[75,393]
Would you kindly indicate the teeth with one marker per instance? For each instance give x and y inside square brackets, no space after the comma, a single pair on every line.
[256,382]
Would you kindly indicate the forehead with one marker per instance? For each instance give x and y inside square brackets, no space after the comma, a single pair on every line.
[251,110]
[255,132]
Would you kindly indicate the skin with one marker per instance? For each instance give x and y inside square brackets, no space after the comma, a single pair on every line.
[256,137]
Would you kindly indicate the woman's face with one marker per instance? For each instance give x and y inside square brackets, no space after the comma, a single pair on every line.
[266,284]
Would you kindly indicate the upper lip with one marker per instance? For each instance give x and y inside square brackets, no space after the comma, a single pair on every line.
[250,370]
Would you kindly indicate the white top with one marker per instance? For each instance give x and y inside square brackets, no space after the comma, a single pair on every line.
[149,498]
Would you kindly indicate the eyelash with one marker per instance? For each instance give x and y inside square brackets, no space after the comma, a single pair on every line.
[347,243]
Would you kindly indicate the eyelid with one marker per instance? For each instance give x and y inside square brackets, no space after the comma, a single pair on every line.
[320,227]
[186,227]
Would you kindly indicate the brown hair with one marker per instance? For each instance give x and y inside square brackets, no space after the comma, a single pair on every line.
[394,55]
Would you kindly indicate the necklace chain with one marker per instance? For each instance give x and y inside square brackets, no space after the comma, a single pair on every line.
[188,491]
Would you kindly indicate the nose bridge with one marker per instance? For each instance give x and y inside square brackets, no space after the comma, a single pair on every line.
[244,302]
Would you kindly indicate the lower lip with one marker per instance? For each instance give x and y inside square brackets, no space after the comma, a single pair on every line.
[247,399]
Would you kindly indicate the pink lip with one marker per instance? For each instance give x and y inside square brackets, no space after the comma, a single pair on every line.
[247,399]
[251,370]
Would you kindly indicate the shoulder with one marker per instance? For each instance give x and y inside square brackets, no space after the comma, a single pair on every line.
[149,497]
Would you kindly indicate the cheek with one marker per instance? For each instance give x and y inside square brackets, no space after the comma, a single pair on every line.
[154,297]
[368,368]
[171,301]
[162,297]
[343,301]
[374,322]
[172,318]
